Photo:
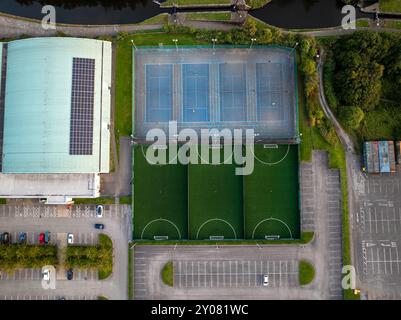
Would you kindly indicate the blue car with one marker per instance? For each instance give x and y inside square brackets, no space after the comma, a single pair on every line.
[22,238]
[47,237]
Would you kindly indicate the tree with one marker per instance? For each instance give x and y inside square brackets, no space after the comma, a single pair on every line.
[351,116]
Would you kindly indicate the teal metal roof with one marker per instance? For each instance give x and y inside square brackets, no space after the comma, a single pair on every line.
[38,106]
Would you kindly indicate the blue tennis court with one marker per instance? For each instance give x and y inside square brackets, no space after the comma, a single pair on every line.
[159,92]
[233,91]
[269,87]
[196,92]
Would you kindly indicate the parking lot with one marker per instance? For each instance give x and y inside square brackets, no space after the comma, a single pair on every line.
[234,273]
[377,221]
[59,221]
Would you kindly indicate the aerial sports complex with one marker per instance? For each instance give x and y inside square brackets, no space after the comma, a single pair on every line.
[216,88]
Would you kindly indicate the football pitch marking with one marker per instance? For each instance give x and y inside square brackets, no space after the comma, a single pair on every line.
[215,219]
[161,219]
[275,219]
[273,163]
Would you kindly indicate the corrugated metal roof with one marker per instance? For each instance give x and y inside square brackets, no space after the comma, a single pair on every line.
[38,106]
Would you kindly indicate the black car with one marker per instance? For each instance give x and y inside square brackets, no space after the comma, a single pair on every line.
[99,226]
[70,274]
[5,238]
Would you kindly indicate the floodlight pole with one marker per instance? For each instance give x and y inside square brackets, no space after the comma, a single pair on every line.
[132,41]
[292,50]
[214,40]
[252,39]
[175,41]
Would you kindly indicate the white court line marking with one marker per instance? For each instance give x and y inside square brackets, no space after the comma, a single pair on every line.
[236,273]
[378,260]
[384,257]
[367,261]
[199,274]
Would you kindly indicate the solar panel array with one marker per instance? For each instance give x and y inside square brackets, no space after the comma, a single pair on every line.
[82,101]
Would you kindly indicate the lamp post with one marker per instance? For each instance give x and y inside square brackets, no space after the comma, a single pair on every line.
[175,41]
[132,42]
[253,40]
[214,40]
[292,50]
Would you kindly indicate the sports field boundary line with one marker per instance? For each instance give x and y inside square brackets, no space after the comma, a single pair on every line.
[273,163]
[161,219]
[274,219]
[216,219]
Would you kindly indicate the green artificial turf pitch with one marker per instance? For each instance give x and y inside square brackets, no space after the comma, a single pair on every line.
[160,199]
[271,194]
[215,201]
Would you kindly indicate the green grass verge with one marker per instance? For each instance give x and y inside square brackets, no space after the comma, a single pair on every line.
[102,298]
[254,4]
[161,199]
[392,24]
[3,201]
[161,18]
[125,200]
[271,194]
[306,272]
[362,23]
[390,6]
[168,274]
[130,274]
[212,16]
[170,3]
[102,200]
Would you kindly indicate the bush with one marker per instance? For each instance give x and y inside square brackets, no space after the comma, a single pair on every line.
[306,272]
[168,274]
[352,116]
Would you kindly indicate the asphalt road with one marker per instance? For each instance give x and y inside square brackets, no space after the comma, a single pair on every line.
[26,284]
[235,272]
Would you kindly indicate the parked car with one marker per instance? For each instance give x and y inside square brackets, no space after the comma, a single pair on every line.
[265,280]
[5,238]
[99,211]
[22,238]
[46,275]
[99,226]
[47,237]
[42,238]
[70,238]
[70,274]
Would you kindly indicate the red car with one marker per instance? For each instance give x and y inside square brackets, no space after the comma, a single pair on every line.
[42,238]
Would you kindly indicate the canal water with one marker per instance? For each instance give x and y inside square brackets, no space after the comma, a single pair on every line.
[302,14]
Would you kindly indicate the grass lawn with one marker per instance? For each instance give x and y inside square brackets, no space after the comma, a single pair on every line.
[362,23]
[306,272]
[216,16]
[254,4]
[393,24]
[271,194]
[3,201]
[160,199]
[168,274]
[170,3]
[215,201]
[102,200]
[126,200]
[390,6]
[161,18]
